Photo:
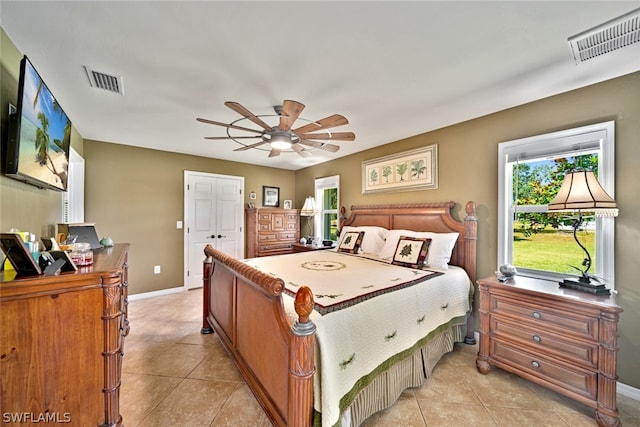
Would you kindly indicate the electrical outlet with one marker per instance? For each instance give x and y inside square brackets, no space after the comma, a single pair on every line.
[179,225]
[156,269]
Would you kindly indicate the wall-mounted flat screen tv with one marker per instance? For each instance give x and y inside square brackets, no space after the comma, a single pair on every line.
[39,134]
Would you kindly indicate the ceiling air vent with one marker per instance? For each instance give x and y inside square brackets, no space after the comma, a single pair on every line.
[607,37]
[104,81]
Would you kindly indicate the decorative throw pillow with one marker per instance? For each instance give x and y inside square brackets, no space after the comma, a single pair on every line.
[351,242]
[439,251]
[411,252]
[373,240]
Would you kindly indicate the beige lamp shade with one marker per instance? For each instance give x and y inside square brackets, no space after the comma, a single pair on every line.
[581,191]
[309,208]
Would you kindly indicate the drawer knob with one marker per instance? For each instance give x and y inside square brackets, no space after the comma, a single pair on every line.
[537,338]
[537,315]
[535,364]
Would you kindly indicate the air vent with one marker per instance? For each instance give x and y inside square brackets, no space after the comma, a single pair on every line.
[605,38]
[104,81]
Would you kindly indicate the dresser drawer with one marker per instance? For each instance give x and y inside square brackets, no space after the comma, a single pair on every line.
[571,378]
[267,237]
[276,247]
[547,317]
[543,341]
[291,235]
[264,226]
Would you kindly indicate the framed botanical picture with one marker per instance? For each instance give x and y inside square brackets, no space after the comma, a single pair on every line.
[287,204]
[271,196]
[407,171]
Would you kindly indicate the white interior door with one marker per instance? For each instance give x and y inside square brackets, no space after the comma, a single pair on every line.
[213,215]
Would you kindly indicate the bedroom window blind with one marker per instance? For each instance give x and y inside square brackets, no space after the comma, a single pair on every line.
[529,173]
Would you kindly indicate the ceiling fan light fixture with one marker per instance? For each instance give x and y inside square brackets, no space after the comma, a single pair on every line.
[280,140]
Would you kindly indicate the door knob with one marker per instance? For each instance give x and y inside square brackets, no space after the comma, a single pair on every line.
[213,236]
[220,236]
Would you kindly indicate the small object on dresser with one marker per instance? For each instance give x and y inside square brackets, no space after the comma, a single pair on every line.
[81,254]
[107,242]
[303,241]
[327,242]
[506,272]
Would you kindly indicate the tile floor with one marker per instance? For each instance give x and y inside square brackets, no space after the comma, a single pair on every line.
[174,376]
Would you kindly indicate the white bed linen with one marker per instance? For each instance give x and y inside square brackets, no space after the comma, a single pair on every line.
[368,336]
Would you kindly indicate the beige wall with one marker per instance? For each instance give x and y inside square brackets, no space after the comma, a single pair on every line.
[135,194]
[468,165]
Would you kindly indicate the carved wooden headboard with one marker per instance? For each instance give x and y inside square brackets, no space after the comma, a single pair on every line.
[435,217]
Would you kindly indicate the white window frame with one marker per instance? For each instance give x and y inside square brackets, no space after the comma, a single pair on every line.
[569,142]
[322,184]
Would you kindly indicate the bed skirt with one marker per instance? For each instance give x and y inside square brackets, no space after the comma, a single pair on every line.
[413,371]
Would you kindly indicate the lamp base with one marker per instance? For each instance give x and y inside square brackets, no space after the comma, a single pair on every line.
[582,286]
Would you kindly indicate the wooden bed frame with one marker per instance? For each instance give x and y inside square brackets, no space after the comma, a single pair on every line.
[276,358]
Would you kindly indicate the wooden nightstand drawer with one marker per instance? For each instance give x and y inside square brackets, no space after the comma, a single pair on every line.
[543,341]
[288,235]
[574,379]
[547,317]
[560,338]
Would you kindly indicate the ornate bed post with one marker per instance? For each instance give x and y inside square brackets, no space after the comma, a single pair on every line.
[470,241]
[301,362]
[206,289]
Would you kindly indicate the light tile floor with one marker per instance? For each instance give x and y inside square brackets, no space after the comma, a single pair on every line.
[174,376]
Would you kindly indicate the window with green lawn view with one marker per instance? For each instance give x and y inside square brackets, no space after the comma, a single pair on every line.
[541,243]
[327,199]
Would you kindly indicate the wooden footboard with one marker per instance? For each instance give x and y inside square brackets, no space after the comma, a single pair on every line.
[244,307]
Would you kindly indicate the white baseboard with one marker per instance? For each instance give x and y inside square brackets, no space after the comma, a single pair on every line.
[628,391]
[152,294]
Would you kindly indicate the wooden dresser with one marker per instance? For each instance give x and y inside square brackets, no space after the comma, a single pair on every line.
[271,231]
[562,339]
[61,344]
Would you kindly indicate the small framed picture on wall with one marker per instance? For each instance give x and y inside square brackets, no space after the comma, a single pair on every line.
[271,196]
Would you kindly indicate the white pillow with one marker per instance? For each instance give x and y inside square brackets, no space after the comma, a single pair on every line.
[439,251]
[373,241]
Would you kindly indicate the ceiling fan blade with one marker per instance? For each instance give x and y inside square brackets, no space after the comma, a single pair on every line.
[300,150]
[248,147]
[212,122]
[274,152]
[321,145]
[326,123]
[247,114]
[232,137]
[290,112]
[333,136]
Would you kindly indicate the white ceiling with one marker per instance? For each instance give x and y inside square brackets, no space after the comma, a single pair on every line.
[394,69]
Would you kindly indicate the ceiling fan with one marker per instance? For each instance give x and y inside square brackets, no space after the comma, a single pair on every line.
[282,137]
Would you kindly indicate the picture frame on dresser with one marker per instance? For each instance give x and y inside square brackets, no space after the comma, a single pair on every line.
[270,196]
[18,255]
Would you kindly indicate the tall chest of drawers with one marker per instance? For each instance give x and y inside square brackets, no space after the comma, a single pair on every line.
[562,339]
[271,231]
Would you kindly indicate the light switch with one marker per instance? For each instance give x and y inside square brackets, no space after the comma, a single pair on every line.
[179,225]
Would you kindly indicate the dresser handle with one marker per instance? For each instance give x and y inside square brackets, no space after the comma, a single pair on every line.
[537,315]
[535,364]
[537,338]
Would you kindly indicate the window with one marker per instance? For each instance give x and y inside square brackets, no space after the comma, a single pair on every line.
[530,171]
[328,202]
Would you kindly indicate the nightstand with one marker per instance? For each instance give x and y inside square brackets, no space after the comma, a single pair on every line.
[299,247]
[562,339]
